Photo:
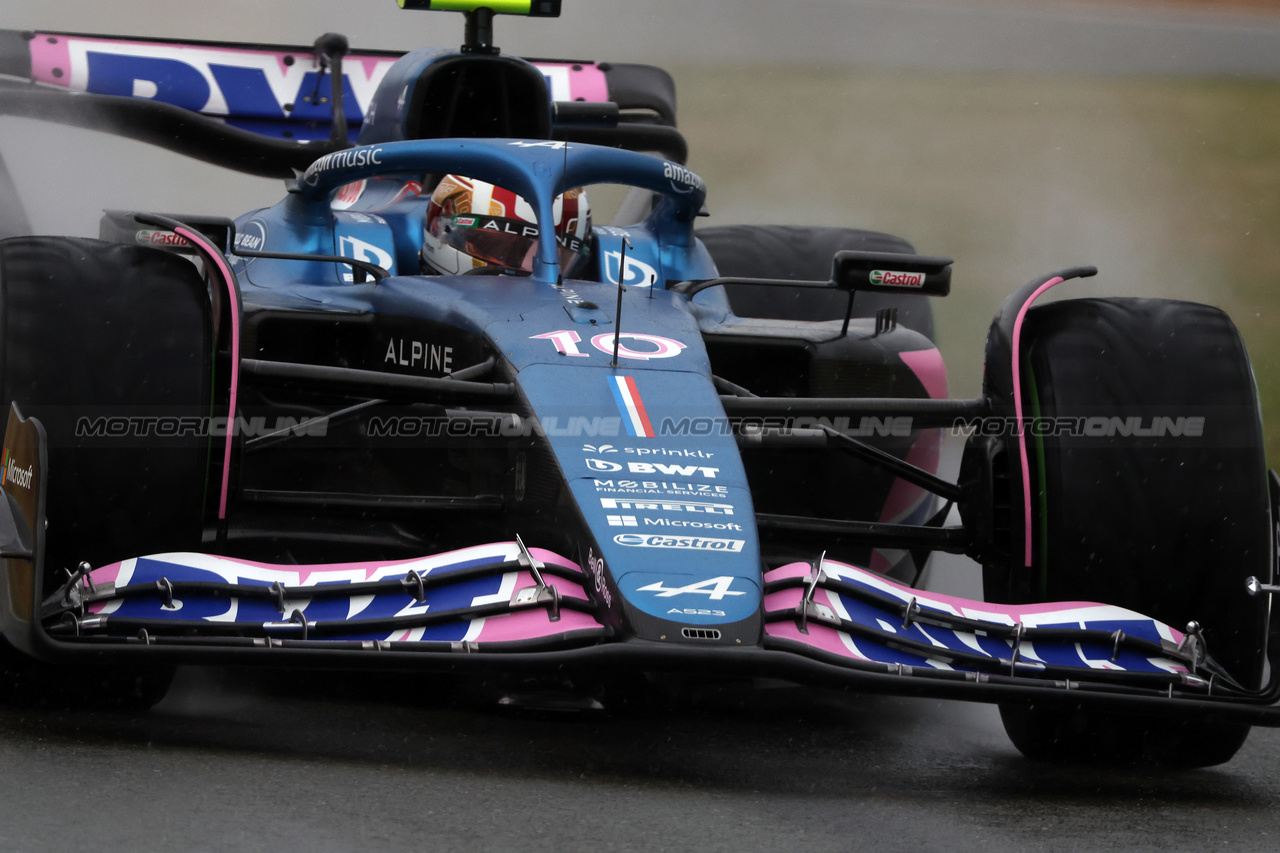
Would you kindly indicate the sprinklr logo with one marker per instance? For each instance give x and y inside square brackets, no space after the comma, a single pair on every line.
[13,474]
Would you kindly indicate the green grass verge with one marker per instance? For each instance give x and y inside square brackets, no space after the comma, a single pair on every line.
[1170,186]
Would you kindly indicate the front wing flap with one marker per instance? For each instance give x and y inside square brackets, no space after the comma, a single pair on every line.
[844,614]
[489,596]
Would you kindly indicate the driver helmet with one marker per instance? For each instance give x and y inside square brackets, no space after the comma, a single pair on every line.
[472,225]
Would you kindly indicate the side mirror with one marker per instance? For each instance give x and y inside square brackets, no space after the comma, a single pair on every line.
[889,272]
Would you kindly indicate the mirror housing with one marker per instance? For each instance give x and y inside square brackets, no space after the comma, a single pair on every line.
[889,272]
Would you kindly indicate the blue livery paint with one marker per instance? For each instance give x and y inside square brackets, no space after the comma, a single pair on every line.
[175,82]
[672,510]
[234,88]
[386,118]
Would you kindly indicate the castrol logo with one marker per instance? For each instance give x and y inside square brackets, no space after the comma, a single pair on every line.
[897,279]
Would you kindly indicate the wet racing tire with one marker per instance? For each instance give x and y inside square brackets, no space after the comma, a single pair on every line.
[28,683]
[805,253]
[1074,736]
[1153,497]
[93,333]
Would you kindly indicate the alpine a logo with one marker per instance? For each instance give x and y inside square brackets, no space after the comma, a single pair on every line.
[683,543]
[714,588]
[890,278]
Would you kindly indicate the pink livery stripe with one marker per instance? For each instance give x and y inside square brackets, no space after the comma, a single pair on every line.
[1017,413]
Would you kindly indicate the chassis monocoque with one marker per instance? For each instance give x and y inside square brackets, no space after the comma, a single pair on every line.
[712,452]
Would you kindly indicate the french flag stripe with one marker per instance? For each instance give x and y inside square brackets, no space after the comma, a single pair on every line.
[631,406]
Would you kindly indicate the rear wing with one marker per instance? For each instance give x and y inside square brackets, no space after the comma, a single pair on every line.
[269,109]
[278,91]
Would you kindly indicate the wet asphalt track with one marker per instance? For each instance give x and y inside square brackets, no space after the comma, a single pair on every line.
[258,761]
[249,760]
[267,761]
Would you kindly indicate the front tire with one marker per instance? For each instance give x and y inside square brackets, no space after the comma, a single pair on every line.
[92,330]
[1074,736]
[28,683]
[1155,500]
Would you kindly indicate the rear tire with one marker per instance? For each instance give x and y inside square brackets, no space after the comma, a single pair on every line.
[1169,525]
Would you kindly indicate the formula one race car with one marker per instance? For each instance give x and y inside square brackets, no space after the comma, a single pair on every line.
[425,414]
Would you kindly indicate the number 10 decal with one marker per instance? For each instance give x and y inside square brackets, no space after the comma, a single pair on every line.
[566,343]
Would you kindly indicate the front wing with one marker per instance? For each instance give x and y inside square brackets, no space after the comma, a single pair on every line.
[527,610]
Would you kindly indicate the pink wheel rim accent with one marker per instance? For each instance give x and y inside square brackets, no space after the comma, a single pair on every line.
[1017,413]
[220,262]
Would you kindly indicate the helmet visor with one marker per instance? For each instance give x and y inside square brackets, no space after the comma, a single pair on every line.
[504,242]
